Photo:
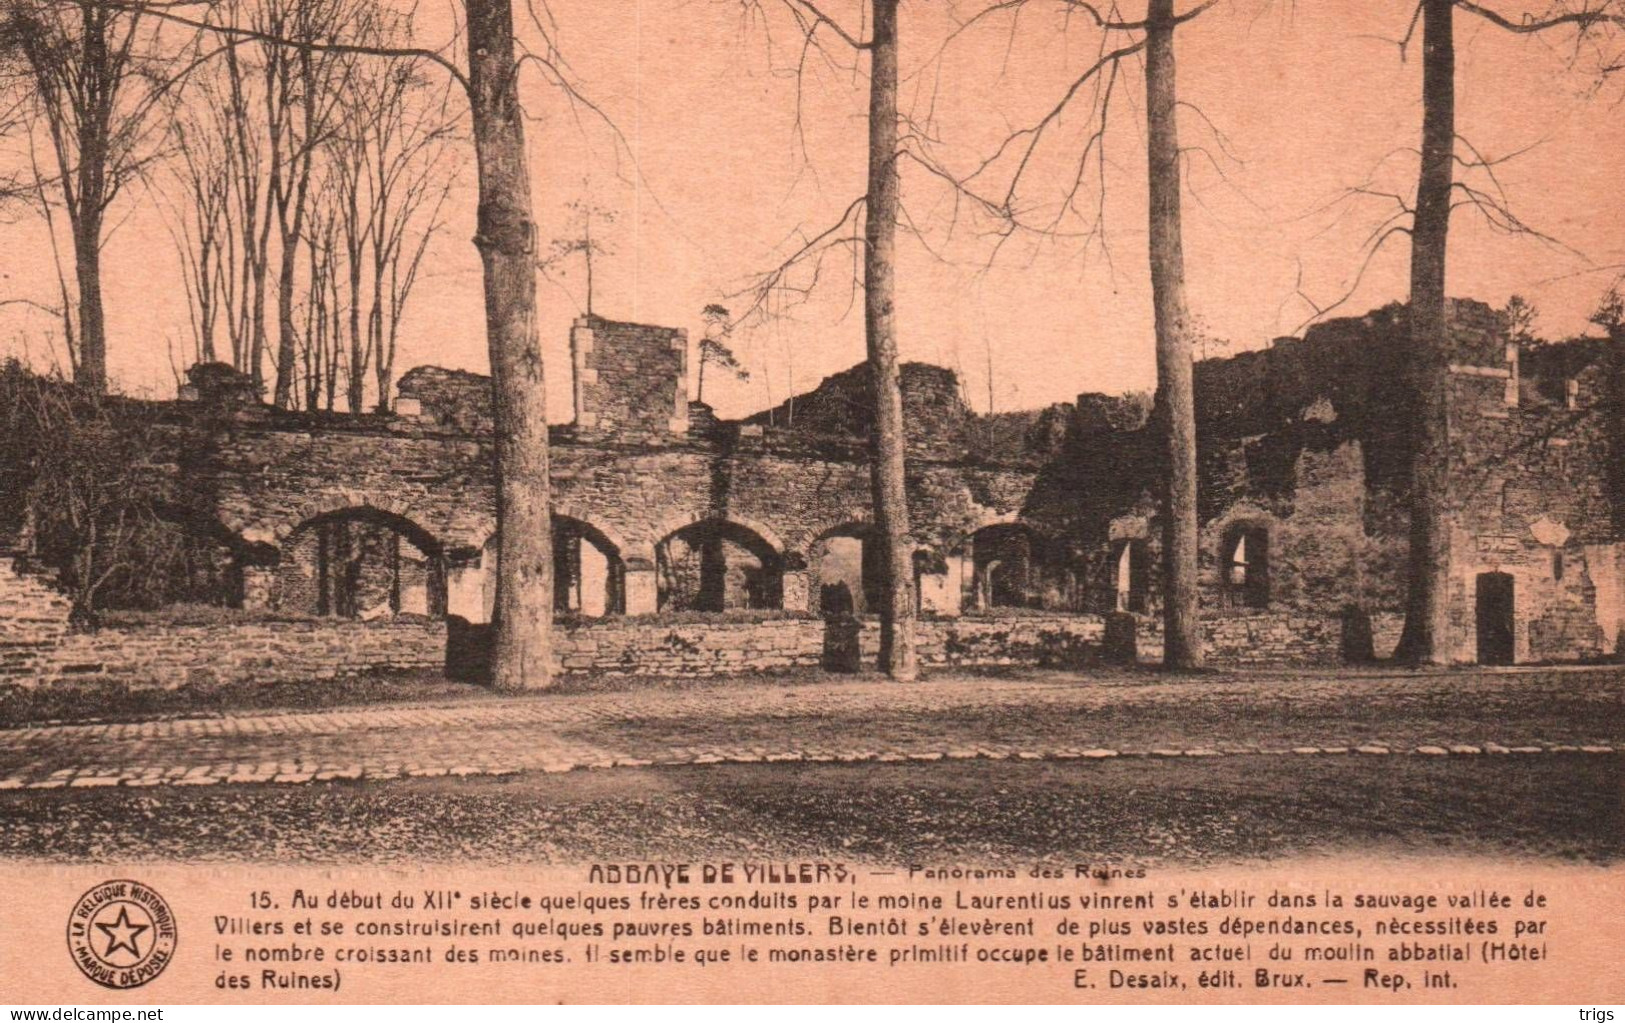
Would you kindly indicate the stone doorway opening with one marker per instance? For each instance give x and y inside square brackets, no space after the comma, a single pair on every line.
[1494,617]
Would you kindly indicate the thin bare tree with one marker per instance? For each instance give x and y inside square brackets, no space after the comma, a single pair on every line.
[506,239]
[881,209]
[585,215]
[1438,193]
[999,182]
[303,93]
[89,74]
[198,208]
[322,340]
[408,142]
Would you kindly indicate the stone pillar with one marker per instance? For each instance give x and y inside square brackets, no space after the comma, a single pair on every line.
[937,595]
[642,589]
[1121,644]
[961,584]
[259,581]
[465,589]
[797,589]
[679,418]
[583,376]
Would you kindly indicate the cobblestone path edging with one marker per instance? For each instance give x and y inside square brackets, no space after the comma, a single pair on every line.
[579,731]
[296,772]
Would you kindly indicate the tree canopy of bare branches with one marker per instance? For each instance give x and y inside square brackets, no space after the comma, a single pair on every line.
[87,75]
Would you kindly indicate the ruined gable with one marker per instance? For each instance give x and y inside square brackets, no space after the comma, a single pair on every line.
[450,397]
[935,417]
[631,380]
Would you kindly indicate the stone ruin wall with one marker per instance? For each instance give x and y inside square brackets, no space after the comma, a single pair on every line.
[39,648]
[1305,441]
[1297,440]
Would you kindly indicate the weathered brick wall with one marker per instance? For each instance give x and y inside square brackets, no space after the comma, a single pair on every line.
[449,397]
[1053,641]
[1531,498]
[1303,440]
[649,647]
[267,473]
[169,655]
[1307,441]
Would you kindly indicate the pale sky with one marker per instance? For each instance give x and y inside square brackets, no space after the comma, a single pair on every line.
[714,185]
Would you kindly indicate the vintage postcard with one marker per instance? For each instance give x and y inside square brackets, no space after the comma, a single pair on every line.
[514,501]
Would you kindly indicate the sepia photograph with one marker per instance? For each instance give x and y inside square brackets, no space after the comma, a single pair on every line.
[838,501]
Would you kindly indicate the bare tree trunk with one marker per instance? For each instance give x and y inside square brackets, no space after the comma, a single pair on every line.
[91,370]
[207,308]
[1616,428]
[99,84]
[357,379]
[287,354]
[257,332]
[1176,401]
[384,368]
[523,617]
[897,653]
[1427,610]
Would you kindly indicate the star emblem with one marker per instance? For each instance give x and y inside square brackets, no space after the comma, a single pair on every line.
[121,933]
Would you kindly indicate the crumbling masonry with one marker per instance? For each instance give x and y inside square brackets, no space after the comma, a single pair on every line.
[1036,533]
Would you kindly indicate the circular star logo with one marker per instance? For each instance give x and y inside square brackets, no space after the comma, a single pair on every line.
[121,934]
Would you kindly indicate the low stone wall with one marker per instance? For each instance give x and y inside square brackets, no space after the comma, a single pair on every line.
[1268,638]
[1282,638]
[33,620]
[719,647]
[1049,641]
[639,646]
[165,656]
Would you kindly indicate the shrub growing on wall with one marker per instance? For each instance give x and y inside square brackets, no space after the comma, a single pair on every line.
[88,484]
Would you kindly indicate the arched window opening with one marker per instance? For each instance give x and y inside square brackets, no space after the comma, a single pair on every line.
[717,565]
[361,563]
[589,577]
[1002,568]
[1245,566]
[1133,576]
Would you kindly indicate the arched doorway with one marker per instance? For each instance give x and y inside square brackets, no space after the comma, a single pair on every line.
[717,565]
[1002,564]
[1495,618]
[1244,565]
[589,577]
[361,563]
[847,573]
[1131,568]
[589,574]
